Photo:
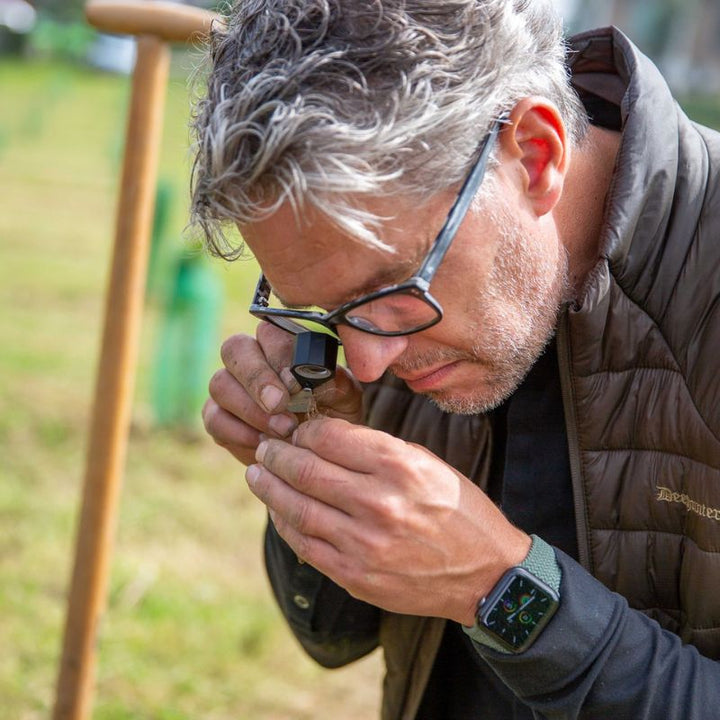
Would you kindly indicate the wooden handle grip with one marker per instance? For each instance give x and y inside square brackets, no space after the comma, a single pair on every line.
[168,21]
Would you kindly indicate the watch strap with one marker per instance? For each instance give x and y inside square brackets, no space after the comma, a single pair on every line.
[540,562]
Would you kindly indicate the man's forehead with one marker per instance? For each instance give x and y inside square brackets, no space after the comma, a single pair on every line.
[388,269]
[396,273]
[290,250]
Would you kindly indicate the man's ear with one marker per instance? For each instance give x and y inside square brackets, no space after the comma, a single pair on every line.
[536,138]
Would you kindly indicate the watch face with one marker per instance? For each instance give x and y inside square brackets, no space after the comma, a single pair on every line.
[521,608]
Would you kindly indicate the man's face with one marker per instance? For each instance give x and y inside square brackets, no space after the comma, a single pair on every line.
[500,285]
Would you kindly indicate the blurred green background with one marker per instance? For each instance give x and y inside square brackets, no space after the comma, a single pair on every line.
[191,630]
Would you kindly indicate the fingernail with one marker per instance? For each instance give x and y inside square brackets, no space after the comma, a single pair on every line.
[290,380]
[252,474]
[260,453]
[270,397]
[283,425]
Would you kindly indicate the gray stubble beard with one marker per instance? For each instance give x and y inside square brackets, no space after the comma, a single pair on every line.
[520,274]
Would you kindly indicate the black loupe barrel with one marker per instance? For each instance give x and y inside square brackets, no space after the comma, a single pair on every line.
[314,358]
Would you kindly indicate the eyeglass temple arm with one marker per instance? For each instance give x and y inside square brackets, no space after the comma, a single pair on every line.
[461,205]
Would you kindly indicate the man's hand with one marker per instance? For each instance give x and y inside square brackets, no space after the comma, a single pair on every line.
[249,396]
[388,521]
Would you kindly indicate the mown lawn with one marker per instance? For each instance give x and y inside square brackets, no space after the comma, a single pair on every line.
[191,630]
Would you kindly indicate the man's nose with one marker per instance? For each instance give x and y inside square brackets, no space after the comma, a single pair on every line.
[369,356]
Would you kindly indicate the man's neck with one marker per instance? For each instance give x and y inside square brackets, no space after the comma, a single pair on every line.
[581,210]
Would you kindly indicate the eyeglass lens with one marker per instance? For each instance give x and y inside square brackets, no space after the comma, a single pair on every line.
[396,312]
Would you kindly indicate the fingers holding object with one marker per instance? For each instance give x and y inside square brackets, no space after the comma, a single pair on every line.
[229,432]
[234,398]
[342,397]
[310,475]
[247,361]
[315,551]
[292,509]
[355,447]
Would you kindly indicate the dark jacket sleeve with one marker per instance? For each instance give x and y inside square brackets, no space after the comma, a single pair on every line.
[333,627]
[598,658]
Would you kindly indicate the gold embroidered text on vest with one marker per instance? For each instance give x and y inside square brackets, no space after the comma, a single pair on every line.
[668,495]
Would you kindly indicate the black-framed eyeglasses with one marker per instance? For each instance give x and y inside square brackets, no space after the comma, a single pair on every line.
[400,309]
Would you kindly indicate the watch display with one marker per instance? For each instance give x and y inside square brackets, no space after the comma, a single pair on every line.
[517,609]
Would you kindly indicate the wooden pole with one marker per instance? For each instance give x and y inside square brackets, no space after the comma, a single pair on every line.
[155,24]
[114,382]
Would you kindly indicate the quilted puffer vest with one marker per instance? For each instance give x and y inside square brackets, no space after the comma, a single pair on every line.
[640,369]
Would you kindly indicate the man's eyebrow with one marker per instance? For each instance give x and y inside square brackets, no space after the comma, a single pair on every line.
[382,278]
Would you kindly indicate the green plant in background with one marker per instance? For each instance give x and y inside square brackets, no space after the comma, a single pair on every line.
[187,342]
[62,10]
[188,293]
[65,40]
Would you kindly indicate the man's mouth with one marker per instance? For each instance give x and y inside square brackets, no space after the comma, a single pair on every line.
[427,379]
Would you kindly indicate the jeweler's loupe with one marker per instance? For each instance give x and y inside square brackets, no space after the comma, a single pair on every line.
[314,358]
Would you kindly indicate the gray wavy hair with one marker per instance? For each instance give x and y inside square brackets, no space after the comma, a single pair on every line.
[331,101]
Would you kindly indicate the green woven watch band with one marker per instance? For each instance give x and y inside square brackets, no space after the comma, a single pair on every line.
[542,563]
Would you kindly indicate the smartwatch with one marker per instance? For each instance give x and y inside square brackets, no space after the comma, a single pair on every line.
[512,616]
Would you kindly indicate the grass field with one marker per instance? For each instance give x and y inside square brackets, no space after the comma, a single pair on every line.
[191,630]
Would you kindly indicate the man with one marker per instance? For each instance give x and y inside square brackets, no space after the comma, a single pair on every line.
[514,488]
